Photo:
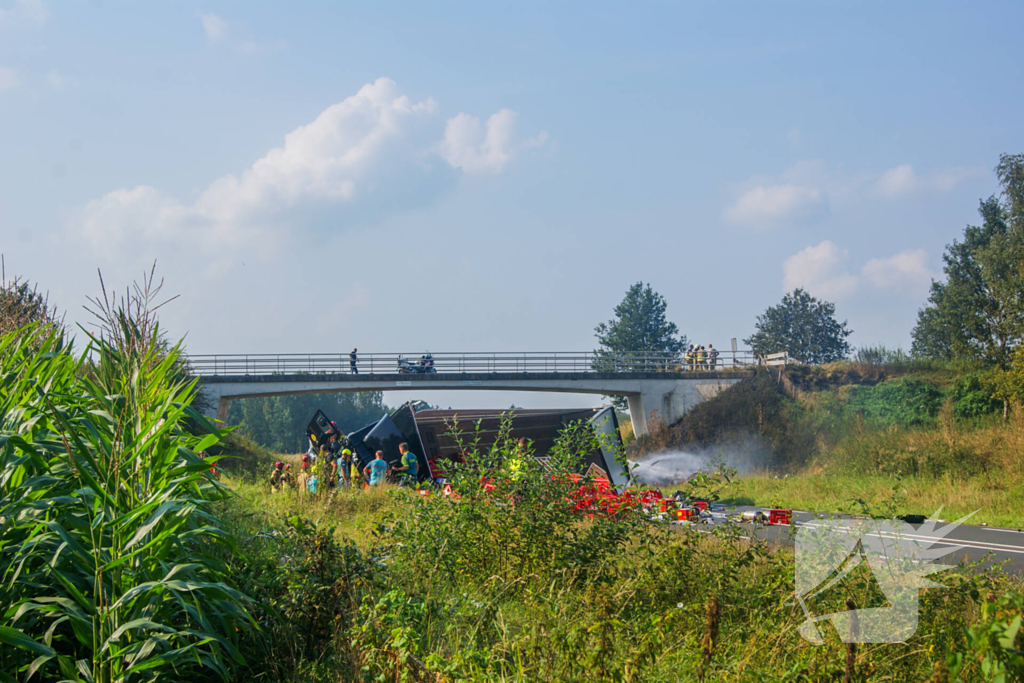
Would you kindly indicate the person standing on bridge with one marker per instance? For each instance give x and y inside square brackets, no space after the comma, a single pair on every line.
[701,358]
[352,360]
[712,356]
[689,357]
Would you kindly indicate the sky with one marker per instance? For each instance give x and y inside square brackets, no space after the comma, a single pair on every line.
[405,177]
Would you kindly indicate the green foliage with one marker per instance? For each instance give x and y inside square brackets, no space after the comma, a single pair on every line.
[307,584]
[995,643]
[511,522]
[639,328]
[978,312]
[21,305]
[972,397]
[803,326]
[509,583]
[881,355]
[279,422]
[106,568]
[903,402]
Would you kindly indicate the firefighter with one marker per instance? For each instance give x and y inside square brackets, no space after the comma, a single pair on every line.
[701,358]
[514,466]
[344,463]
[276,477]
[689,357]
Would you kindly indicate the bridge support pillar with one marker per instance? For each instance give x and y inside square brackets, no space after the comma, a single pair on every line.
[658,408]
[637,415]
[222,409]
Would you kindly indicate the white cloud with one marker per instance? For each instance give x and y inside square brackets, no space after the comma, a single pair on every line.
[818,269]
[897,181]
[25,13]
[216,29]
[8,78]
[822,271]
[219,32]
[372,153]
[763,206]
[906,271]
[902,180]
[475,149]
[810,186]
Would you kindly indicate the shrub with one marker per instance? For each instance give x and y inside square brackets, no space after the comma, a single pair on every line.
[508,522]
[970,398]
[902,402]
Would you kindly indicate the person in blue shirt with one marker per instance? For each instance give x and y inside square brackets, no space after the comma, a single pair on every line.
[377,470]
[410,465]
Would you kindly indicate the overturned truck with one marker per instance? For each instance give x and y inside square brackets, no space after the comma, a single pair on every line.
[429,435]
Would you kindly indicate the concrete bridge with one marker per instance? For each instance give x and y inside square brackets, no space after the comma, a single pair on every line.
[651,384]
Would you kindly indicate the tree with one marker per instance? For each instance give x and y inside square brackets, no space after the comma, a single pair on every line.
[978,312]
[639,328]
[21,304]
[1007,384]
[804,327]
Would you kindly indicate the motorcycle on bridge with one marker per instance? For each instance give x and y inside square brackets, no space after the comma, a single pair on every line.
[425,365]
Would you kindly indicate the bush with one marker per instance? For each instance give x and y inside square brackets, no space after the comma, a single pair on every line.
[308,586]
[970,398]
[510,523]
[902,402]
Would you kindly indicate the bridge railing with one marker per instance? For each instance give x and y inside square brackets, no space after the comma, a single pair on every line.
[455,362]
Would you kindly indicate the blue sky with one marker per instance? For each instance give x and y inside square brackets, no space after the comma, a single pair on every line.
[517,168]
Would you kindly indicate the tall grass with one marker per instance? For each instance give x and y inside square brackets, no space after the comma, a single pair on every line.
[105,525]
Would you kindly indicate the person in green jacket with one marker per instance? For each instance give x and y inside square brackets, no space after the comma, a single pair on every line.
[409,467]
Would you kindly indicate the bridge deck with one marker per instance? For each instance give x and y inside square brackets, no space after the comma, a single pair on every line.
[428,378]
[457,362]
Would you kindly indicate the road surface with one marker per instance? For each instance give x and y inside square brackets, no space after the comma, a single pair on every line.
[993,544]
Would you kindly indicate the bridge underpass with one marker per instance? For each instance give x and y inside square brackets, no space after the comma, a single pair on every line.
[652,385]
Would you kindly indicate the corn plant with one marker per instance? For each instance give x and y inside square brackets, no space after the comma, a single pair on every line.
[106,538]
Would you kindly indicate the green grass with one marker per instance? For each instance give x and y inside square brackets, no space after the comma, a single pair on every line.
[354,513]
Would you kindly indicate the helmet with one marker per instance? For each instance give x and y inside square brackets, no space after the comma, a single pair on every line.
[278,464]
[346,451]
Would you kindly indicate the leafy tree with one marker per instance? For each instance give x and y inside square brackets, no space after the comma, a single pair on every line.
[803,326]
[978,312]
[21,304]
[639,328]
[1007,384]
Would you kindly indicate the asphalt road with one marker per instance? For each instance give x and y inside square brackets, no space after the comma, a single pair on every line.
[972,543]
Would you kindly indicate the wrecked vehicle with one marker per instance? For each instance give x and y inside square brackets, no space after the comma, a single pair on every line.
[429,435]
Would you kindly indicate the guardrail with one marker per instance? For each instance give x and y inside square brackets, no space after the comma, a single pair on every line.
[457,362]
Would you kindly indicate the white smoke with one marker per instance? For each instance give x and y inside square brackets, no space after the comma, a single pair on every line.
[673,467]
